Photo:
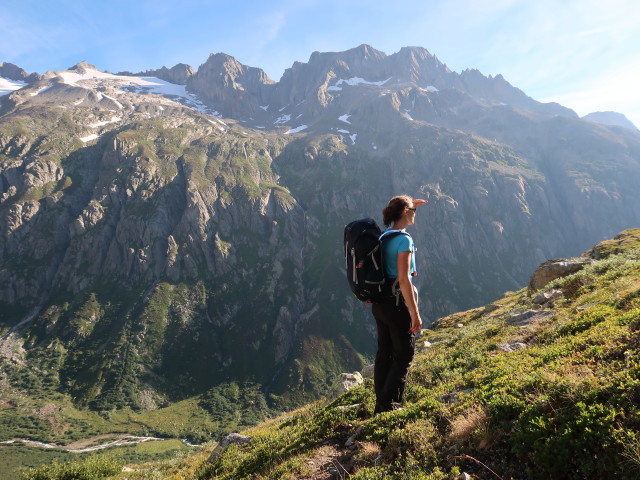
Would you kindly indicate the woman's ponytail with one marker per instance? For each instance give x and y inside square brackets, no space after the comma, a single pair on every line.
[393,211]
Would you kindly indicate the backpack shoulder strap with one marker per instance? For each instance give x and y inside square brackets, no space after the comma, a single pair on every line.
[388,234]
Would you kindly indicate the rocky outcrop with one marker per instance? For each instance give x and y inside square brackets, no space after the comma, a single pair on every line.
[553,269]
[344,383]
[13,72]
[231,439]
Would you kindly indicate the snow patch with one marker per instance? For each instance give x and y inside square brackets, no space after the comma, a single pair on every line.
[430,88]
[353,138]
[343,131]
[265,108]
[406,114]
[118,104]
[88,138]
[218,121]
[38,92]
[8,86]
[282,119]
[297,129]
[354,82]
[344,118]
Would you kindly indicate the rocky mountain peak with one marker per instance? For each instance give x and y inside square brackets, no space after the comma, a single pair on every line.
[231,70]
[359,61]
[416,65]
[311,81]
[82,67]
[353,58]
[232,87]
[418,53]
[13,72]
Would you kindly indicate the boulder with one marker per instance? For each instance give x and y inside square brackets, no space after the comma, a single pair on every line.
[344,383]
[511,347]
[547,297]
[232,438]
[552,269]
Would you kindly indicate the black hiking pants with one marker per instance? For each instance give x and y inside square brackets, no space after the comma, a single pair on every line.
[396,346]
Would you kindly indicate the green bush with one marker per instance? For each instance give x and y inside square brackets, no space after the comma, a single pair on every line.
[92,468]
[569,442]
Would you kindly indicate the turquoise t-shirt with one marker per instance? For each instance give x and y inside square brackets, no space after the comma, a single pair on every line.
[390,250]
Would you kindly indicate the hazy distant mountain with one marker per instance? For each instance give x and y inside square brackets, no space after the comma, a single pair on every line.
[158,238]
[610,118]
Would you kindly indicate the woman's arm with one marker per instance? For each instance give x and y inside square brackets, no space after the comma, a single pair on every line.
[404,280]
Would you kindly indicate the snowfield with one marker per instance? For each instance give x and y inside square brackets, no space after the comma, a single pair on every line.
[142,85]
[8,86]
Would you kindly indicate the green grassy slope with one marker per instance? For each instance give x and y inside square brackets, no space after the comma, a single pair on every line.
[510,390]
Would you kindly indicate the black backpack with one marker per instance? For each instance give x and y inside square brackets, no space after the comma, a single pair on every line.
[364,262]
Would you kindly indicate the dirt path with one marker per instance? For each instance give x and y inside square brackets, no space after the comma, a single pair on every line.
[329,462]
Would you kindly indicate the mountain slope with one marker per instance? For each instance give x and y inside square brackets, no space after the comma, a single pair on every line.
[151,250]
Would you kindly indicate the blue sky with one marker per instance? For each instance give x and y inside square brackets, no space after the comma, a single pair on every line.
[584,54]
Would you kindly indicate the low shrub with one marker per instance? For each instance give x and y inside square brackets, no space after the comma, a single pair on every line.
[92,468]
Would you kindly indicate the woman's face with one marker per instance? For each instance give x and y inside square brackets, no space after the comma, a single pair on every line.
[410,212]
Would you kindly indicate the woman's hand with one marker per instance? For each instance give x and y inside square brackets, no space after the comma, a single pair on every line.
[416,323]
[419,201]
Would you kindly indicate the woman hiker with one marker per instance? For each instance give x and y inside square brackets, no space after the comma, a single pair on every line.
[397,319]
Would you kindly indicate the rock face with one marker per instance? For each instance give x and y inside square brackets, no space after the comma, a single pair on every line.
[13,72]
[552,269]
[146,246]
[233,88]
